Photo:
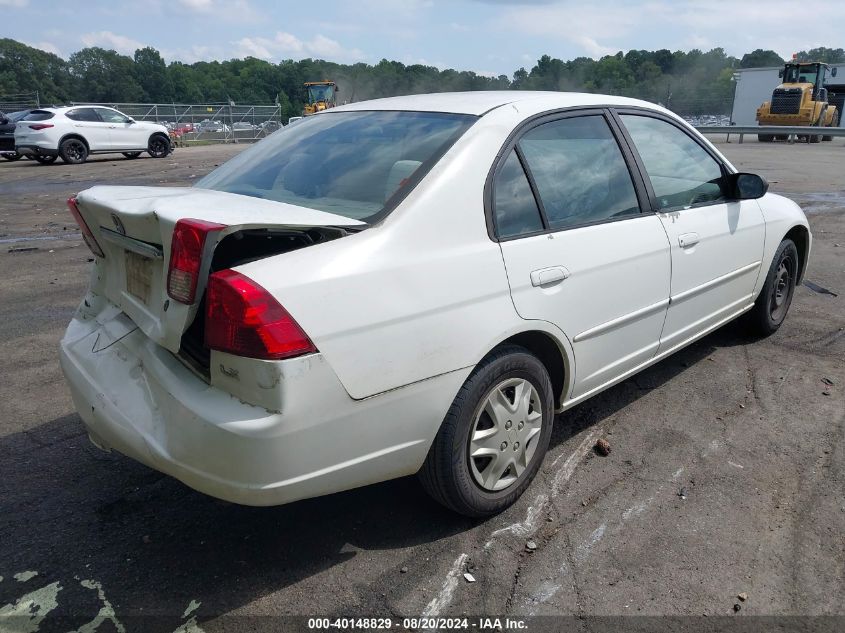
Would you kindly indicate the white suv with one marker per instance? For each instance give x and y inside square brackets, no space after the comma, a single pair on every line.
[75,132]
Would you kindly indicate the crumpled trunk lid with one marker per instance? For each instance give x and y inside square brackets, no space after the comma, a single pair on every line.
[134,227]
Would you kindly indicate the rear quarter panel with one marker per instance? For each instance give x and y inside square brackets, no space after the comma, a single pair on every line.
[421,294]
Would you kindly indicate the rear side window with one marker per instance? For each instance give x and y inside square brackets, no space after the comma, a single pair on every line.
[580,173]
[83,114]
[38,115]
[514,207]
[682,173]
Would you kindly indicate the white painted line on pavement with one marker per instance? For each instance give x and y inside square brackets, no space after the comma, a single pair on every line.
[29,610]
[106,612]
[568,469]
[444,598]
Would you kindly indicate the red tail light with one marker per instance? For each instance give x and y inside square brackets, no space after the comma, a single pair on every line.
[242,318]
[40,126]
[186,252]
[87,235]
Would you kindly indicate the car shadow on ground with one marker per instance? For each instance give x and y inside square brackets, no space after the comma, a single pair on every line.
[74,514]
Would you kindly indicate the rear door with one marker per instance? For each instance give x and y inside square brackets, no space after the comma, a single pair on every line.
[717,243]
[87,122]
[578,251]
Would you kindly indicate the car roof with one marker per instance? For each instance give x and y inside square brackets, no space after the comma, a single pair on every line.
[480,102]
[61,109]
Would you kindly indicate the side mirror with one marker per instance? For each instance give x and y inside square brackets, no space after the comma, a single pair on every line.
[3,119]
[747,186]
[833,71]
[780,74]
[130,121]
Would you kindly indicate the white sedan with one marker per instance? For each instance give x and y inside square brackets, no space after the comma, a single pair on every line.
[413,285]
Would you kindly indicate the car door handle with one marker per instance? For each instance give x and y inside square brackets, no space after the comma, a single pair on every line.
[688,239]
[546,276]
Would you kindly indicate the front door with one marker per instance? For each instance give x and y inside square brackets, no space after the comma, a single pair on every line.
[578,251]
[717,243]
[124,133]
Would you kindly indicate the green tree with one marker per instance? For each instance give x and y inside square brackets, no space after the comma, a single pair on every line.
[150,73]
[823,54]
[104,76]
[760,59]
[27,69]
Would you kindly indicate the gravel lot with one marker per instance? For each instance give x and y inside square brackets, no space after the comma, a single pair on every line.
[725,476]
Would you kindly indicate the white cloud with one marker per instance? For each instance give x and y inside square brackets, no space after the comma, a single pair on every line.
[45,46]
[109,40]
[197,5]
[606,26]
[237,10]
[18,4]
[285,45]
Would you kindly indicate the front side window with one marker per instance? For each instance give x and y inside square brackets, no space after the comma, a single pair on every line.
[682,173]
[514,206]
[580,173]
[347,163]
[111,116]
[83,114]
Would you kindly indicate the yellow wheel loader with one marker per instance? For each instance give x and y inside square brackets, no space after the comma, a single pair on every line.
[321,96]
[801,99]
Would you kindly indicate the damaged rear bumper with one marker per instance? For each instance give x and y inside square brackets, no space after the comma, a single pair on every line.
[139,399]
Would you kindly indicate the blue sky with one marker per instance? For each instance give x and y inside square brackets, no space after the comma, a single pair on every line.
[491,37]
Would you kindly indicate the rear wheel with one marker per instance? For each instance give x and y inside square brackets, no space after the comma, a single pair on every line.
[12,157]
[73,151]
[45,159]
[773,303]
[159,146]
[132,154]
[492,442]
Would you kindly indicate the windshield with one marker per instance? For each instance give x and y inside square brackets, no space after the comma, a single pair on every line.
[800,74]
[347,163]
[320,93]
[16,116]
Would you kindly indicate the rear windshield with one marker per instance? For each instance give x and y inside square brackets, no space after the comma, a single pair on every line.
[38,115]
[354,164]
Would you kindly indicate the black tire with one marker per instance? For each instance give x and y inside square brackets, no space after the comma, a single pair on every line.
[132,154]
[448,474]
[159,146]
[815,138]
[45,159]
[773,303]
[12,157]
[73,151]
[765,138]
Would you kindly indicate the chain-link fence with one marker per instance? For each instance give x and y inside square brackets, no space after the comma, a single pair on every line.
[192,123]
[21,101]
